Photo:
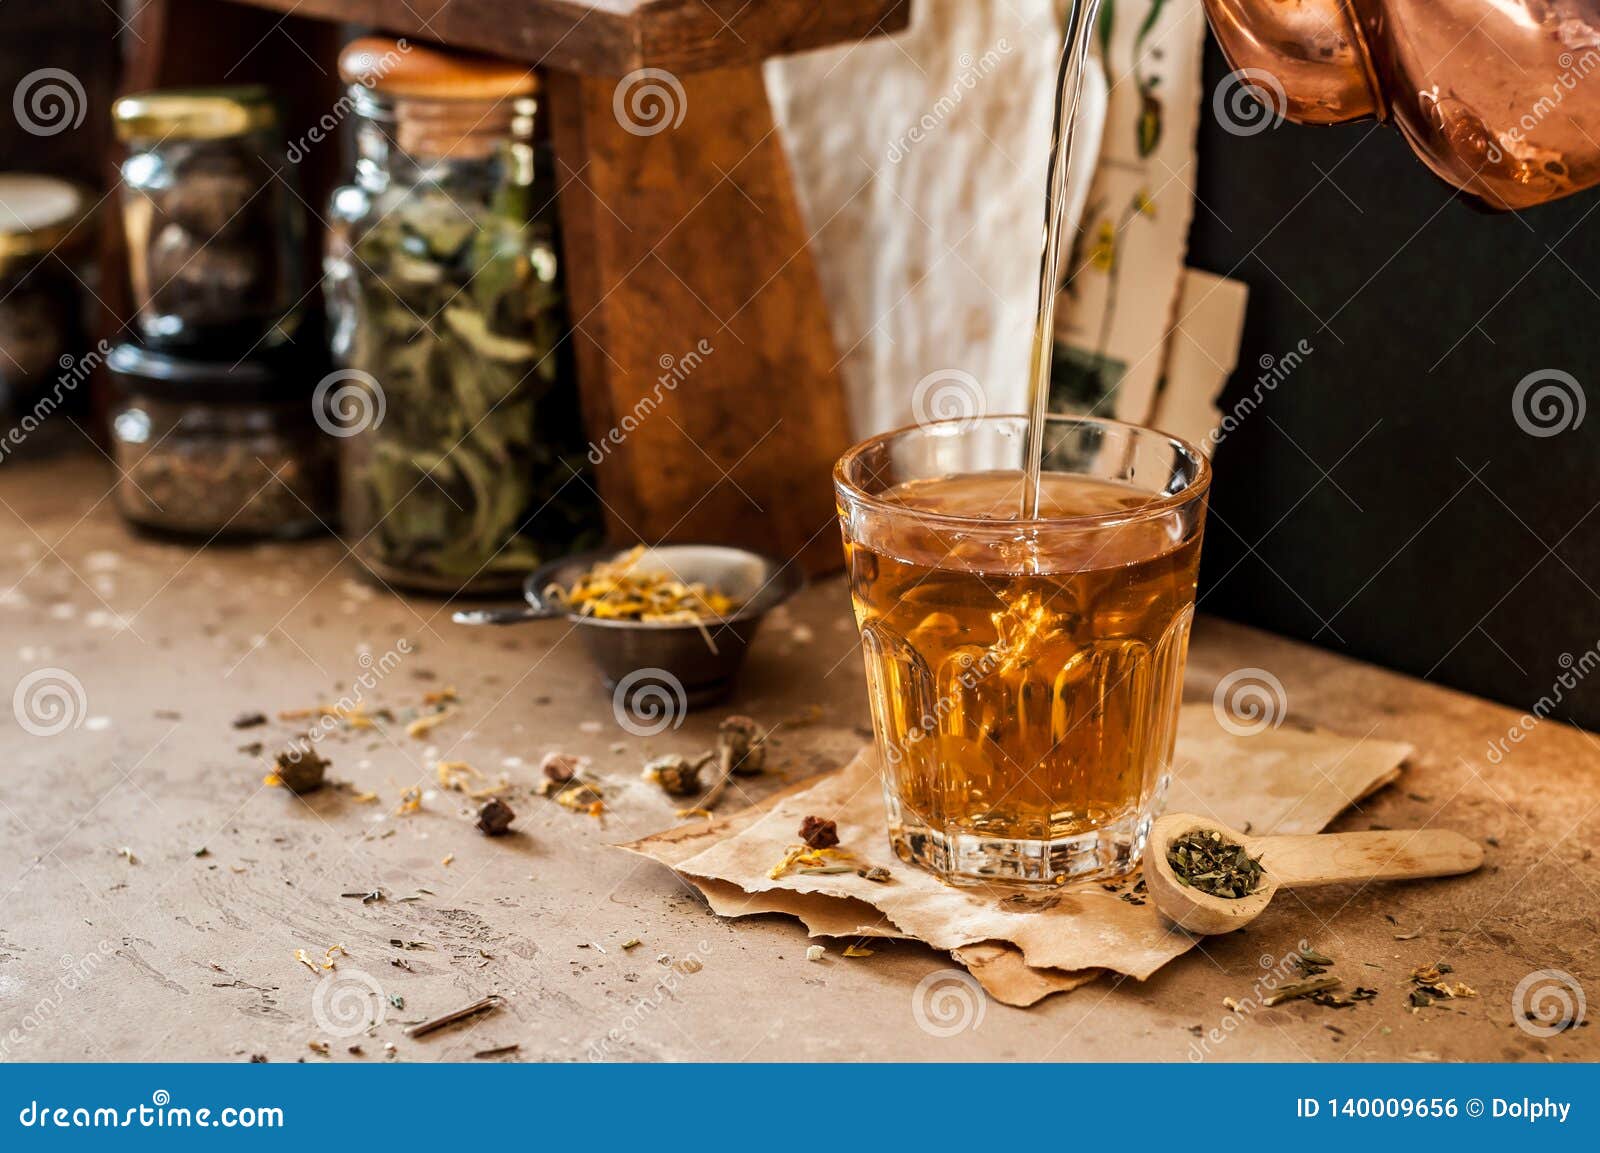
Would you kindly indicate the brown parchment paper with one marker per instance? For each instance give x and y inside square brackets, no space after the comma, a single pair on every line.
[1277,780]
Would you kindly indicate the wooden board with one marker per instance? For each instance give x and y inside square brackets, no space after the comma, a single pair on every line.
[613,37]
[686,235]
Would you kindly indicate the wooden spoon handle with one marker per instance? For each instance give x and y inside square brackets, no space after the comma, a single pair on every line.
[1391,855]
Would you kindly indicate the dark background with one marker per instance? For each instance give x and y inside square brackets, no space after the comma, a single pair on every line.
[1382,501]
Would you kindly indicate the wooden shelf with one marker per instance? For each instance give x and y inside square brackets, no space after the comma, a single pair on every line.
[614,37]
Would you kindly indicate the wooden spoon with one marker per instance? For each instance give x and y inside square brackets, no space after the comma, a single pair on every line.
[1294,862]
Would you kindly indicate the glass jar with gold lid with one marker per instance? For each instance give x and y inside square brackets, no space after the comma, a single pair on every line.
[463,465]
[213,227]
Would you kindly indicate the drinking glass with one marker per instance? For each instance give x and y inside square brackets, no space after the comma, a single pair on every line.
[1024,672]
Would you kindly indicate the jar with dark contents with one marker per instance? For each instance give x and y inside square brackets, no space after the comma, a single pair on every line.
[44,232]
[220,451]
[213,229]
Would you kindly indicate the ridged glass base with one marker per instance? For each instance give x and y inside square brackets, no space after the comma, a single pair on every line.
[1113,850]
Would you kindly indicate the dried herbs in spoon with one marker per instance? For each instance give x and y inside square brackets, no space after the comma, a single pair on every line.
[1208,861]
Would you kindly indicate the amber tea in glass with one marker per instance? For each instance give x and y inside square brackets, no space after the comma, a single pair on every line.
[1024,672]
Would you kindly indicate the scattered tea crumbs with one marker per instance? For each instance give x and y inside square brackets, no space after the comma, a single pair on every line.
[491,1054]
[676,774]
[423,725]
[300,770]
[1430,986]
[495,817]
[249,720]
[410,801]
[560,767]
[815,953]
[447,859]
[631,943]
[744,745]
[877,874]
[300,955]
[582,797]
[456,775]
[444,696]
[819,833]
[857,951]
[803,856]
[1299,989]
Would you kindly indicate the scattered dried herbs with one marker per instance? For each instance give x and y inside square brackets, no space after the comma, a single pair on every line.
[805,857]
[298,769]
[491,1054]
[492,1001]
[741,750]
[1430,986]
[819,833]
[1208,861]
[560,767]
[745,743]
[495,817]
[1299,989]
[676,774]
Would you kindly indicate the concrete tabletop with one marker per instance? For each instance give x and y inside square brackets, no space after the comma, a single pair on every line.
[153,893]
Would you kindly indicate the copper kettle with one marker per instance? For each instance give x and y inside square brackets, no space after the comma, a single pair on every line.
[1500,98]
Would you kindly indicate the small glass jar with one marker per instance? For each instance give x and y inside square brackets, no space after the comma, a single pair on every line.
[41,314]
[463,467]
[219,451]
[214,235]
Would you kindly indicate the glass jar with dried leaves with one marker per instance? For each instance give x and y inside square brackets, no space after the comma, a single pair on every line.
[463,461]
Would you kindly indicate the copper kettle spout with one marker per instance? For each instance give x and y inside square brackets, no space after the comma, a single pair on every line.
[1500,98]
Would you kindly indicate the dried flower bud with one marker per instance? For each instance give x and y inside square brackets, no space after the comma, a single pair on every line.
[495,817]
[818,833]
[677,775]
[299,769]
[561,767]
[743,738]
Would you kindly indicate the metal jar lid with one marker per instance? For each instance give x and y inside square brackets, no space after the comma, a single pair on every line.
[38,214]
[194,113]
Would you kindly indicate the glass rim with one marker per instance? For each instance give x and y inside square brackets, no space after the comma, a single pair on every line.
[1158,504]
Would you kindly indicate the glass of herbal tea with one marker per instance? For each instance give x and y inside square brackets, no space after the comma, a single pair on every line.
[1024,658]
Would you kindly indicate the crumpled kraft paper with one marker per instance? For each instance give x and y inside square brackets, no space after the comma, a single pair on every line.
[1021,948]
